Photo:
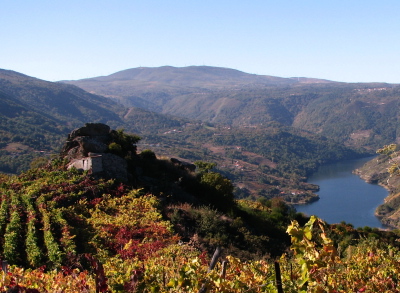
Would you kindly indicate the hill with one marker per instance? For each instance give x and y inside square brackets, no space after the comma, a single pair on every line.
[164,89]
[49,206]
[383,170]
[266,161]
[68,229]
[196,77]
[68,104]
[358,115]
[35,115]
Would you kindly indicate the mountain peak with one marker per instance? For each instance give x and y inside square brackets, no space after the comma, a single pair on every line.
[206,77]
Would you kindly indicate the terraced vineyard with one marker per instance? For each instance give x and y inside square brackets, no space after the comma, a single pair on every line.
[44,216]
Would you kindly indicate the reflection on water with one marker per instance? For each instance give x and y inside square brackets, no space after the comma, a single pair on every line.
[344,196]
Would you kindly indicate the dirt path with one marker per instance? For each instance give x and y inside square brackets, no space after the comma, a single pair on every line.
[127,113]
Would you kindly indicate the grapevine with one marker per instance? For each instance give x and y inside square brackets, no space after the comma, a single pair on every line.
[33,252]
[4,213]
[53,250]
[13,234]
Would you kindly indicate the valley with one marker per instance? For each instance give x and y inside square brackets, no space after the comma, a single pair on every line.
[131,185]
[266,134]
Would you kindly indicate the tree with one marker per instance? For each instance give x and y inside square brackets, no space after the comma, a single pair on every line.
[204,167]
[125,144]
[221,184]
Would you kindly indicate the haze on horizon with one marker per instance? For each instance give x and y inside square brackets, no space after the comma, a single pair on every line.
[350,41]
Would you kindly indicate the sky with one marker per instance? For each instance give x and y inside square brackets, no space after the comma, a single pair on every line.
[340,40]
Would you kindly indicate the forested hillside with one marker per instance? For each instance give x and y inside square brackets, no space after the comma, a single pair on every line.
[267,161]
[359,114]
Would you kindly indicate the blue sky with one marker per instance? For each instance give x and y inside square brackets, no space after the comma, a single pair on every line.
[351,40]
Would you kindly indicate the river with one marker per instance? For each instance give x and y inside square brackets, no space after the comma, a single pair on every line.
[344,196]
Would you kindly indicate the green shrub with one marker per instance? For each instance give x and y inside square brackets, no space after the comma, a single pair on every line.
[148,155]
[115,148]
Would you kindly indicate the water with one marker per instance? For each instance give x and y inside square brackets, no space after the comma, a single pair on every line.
[345,196]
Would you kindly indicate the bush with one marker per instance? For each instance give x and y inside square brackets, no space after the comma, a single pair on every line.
[148,155]
[115,148]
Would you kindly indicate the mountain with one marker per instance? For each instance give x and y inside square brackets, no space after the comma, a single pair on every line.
[72,230]
[193,77]
[151,88]
[36,114]
[270,161]
[356,114]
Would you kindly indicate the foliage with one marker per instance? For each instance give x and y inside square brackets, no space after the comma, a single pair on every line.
[319,268]
[147,154]
[219,190]
[124,144]
[13,234]
[37,281]
[87,234]
[204,167]
[35,220]
[315,266]
[130,226]
[115,148]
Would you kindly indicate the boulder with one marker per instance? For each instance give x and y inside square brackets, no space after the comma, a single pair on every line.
[91,129]
[89,142]
[184,165]
[91,145]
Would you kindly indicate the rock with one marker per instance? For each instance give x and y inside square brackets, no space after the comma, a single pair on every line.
[91,129]
[75,153]
[184,165]
[86,149]
[91,145]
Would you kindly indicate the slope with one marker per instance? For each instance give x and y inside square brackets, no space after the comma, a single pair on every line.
[379,171]
[153,88]
[36,114]
[68,104]
[358,115]
[268,161]
[68,230]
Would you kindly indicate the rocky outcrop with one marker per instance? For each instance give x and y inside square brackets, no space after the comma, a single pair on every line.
[87,149]
[376,172]
[184,165]
[98,130]
[92,138]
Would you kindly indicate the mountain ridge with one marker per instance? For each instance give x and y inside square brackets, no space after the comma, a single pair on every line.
[351,113]
[180,75]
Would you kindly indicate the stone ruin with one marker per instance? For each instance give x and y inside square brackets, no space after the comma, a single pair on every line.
[86,149]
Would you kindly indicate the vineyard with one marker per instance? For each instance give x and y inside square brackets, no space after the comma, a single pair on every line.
[63,231]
